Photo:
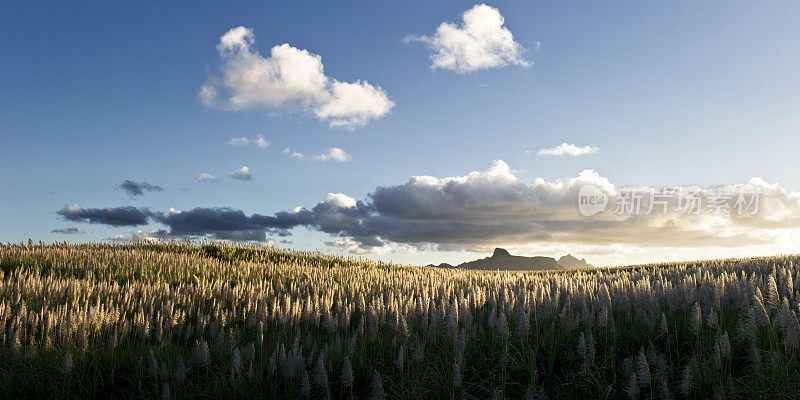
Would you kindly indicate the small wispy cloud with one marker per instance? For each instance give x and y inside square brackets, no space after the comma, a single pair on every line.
[208,178]
[567,149]
[68,231]
[141,236]
[243,174]
[332,154]
[134,188]
[258,142]
[293,154]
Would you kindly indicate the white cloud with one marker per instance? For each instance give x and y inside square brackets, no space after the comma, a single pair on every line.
[73,208]
[348,245]
[567,149]
[141,236]
[204,177]
[334,154]
[353,104]
[243,174]
[294,154]
[240,141]
[480,42]
[259,142]
[340,200]
[288,79]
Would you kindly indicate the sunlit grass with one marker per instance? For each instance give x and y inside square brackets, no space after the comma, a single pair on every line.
[211,320]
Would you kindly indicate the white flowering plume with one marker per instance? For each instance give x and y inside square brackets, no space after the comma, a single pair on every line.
[181,316]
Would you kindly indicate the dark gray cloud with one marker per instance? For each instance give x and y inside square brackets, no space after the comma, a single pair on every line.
[118,216]
[68,231]
[335,215]
[219,223]
[134,188]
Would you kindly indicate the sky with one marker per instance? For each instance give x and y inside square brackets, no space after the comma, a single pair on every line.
[416,132]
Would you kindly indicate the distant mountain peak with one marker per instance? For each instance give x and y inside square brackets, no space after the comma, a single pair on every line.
[442,265]
[569,257]
[502,259]
[498,252]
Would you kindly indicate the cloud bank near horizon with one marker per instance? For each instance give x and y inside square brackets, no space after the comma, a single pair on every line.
[482,210]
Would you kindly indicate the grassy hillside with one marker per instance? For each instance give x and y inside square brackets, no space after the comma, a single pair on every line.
[205,320]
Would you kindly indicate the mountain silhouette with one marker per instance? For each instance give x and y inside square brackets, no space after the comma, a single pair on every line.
[502,259]
[442,265]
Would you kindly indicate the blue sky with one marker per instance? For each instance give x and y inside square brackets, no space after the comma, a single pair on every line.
[671,93]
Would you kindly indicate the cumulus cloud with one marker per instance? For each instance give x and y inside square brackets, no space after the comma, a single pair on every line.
[481,210]
[138,188]
[480,42]
[204,177]
[288,79]
[567,149]
[68,231]
[118,216]
[341,200]
[494,208]
[243,174]
[258,142]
